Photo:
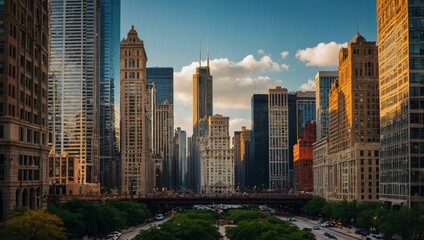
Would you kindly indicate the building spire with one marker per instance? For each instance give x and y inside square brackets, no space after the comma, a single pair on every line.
[200,53]
[207,53]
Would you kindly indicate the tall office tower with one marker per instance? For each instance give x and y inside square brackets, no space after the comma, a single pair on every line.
[217,157]
[242,151]
[163,139]
[73,85]
[24,49]
[303,156]
[163,78]
[354,124]
[190,165]
[135,165]
[402,127]
[237,158]
[110,17]
[180,156]
[202,109]
[305,110]
[323,81]
[258,164]
[278,119]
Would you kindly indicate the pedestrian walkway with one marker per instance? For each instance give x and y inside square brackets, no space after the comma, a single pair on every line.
[344,230]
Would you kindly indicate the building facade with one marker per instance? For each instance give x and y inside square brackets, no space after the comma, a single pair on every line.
[245,153]
[401,73]
[73,85]
[320,168]
[23,105]
[163,78]
[278,119]
[258,164]
[202,109]
[354,124]
[110,29]
[217,158]
[136,169]
[323,81]
[180,156]
[303,158]
[305,110]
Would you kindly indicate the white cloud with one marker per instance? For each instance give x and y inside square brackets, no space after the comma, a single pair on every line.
[308,86]
[285,66]
[237,123]
[323,55]
[284,54]
[233,82]
[261,52]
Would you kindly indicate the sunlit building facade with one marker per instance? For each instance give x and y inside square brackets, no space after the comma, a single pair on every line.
[136,168]
[401,69]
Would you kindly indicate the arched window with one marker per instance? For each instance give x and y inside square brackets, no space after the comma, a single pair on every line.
[131,62]
[138,62]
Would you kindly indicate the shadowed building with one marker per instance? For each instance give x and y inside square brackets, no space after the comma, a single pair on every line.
[323,81]
[24,49]
[303,156]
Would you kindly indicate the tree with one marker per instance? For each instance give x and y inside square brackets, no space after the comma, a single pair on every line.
[33,225]
[315,206]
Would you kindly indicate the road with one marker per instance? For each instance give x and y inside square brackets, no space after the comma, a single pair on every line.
[128,235]
[320,233]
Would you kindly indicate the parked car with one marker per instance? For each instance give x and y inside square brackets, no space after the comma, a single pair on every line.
[326,224]
[111,237]
[116,233]
[291,219]
[362,232]
[316,227]
[332,237]
[373,236]
[159,216]
[327,234]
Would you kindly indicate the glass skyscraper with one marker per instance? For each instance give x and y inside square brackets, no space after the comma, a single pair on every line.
[164,82]
[257,165]
[110,11]
[323,81]
[72,84]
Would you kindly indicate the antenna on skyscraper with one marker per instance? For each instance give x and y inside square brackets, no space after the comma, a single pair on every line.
[200,53]
[207,53]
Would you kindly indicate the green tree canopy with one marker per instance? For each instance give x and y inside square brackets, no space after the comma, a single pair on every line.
[33,225]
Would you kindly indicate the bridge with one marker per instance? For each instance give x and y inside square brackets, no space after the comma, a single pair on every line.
[164,200]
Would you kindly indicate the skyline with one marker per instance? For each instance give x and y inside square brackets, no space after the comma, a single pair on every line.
[259,46]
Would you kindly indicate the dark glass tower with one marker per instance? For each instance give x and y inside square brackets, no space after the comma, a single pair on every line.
[258,164]
[109,12]
[163,78]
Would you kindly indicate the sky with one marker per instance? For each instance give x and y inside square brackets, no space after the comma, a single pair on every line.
[254,45]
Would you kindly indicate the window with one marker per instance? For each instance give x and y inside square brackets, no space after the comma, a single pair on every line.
[1,26]
[29,135]
[1,5]
[1,67]
[1,131]
[21,134]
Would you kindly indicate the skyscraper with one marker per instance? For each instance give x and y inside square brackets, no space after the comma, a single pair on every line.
[180,155]
[23,105]
[323,81]
[217,157]
[278,120]
[305,110]
[163,78]
[73,85]
[401,61]
[110,17]
[202,109]
[302,157]
[354,124]
[258,164]
[136,169]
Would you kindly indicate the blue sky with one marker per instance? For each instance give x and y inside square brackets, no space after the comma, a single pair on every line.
[254,45]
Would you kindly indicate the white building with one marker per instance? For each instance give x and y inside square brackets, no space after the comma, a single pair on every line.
[278,120]
[217,157]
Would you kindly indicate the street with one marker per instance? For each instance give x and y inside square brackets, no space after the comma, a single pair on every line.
[130,234]
[320,233]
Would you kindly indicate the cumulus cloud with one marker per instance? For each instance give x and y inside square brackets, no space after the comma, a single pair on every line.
[285,66]
[233,82]
[261,52]
[308,86]
[284,54]
[322,55]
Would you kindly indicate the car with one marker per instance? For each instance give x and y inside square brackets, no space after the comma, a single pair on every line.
[316,227]
[373,236]
[332,236]
[116,233]
[327,234]
[291,219]
[307,229]
[159,216]
[111,237]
